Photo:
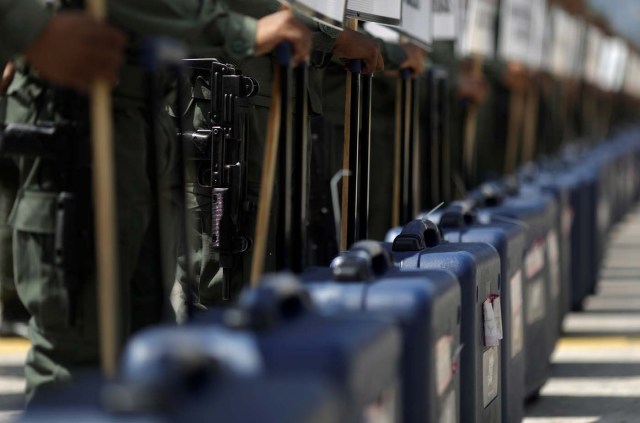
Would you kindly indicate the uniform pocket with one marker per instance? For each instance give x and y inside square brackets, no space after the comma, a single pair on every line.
[37,281]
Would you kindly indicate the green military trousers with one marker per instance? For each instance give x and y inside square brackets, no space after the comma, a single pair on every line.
[61,348]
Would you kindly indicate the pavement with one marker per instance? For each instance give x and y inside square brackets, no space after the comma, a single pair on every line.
[595,374]
[595,371]
[13,352]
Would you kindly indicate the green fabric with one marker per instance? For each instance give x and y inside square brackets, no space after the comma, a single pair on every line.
[10,304]
[382,156]
[205,26]
[392,54]
[21,21]
[59,349]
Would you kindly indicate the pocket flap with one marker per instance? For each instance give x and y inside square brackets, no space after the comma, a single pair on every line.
[35,212]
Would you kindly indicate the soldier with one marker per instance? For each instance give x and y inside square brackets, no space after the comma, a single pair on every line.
[60,347]
[345,44]
[396,56]
[63,50]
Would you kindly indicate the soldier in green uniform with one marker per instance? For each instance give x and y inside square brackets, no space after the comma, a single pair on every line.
[344,44]
[59,348]
[64,53]
[396,56]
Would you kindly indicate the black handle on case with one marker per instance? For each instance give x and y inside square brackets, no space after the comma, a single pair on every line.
[418,235]
[491,194]
[364,261]
[353,208]
[279,297]
[458,215]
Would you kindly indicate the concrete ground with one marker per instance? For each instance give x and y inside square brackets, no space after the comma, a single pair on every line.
[12,356]
[596,366]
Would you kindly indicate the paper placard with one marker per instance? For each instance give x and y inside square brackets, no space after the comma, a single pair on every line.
[384,32]
[446,20]
[417,21]
[382,11]
[612,63]
[326,11]
[538,34]
[515,30]
[592,54]
[568,44]
[478,35]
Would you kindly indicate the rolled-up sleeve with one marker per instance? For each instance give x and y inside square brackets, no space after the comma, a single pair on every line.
[21,21]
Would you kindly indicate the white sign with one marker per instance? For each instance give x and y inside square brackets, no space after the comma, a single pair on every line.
[612,64]
[479,30]
[385,33]
[446,20]
[327,11]
[383,11]
[538,34]
[515,30]
[417,21]
[592,54]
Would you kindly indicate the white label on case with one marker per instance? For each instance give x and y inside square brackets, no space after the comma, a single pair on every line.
[491,338]
[553,252]
[448,413]
[567,220]
[497,314]
[383,409]
[535,300]
[490,375]
[517,323]
[534,261]
[444,368]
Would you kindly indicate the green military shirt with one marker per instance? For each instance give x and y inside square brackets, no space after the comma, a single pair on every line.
[21,21]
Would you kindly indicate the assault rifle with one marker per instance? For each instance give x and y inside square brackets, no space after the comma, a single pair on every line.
[219,152]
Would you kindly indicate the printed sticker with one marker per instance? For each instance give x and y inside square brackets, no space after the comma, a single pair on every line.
[448,413]
[567,220]
[492,317]
[497,314]
[517,324]
[383,409]
[444,368]
[553,251]
[534,261]
[490,375]
[535,300]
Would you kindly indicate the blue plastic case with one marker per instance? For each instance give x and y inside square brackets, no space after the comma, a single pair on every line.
[477,267]
[426,306]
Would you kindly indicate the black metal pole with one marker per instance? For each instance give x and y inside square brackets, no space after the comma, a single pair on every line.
[355,67]
[365,157]
[405,158]
[298,176]
[284,189]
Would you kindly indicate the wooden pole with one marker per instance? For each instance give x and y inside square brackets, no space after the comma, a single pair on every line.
[471,125]
[104,197]
[517,101]
[269,164]
[531,125]
[516,113]
[397,151]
